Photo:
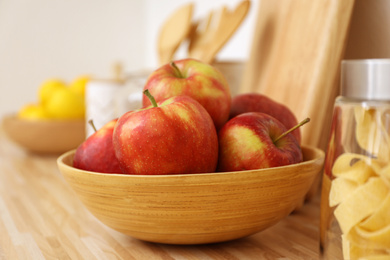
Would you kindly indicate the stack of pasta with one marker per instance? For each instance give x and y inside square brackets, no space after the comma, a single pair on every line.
[360,191]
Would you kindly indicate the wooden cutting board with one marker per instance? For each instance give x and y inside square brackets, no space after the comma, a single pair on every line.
[295,59]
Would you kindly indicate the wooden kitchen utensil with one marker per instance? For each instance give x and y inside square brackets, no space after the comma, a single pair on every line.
[173,32]
[194,208]
[295,59]
[210,35]
[44,136]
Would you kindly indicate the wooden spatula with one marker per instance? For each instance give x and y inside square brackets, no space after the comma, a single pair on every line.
[173,32]
[218,27]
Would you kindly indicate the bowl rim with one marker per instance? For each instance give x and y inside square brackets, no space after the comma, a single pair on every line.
[320,155]
[15,118]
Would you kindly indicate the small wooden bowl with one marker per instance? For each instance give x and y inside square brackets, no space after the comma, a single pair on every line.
[45,136]
[194,208]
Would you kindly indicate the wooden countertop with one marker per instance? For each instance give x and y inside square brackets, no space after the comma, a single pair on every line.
[41,218]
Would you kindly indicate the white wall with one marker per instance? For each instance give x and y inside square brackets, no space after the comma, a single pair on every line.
[42,39]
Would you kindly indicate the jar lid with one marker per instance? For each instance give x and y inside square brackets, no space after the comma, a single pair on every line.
[367,79]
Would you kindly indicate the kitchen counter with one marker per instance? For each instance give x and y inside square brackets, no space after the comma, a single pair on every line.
[41,218]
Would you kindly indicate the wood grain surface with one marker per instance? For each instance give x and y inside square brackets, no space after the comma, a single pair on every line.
[41,218]
[295,59]
[194,208]
[45,136]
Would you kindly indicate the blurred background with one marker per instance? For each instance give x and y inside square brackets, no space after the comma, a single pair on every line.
[44,39]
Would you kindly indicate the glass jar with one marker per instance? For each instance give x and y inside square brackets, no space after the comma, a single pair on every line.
[355,195]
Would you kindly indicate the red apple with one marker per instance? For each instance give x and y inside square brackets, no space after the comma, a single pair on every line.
[255,102]
[254,140]
[175,135]
[97,152]
[196,79]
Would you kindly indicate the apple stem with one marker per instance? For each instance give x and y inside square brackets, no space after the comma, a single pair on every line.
[92,124]
[177,70]
[151,98]
[307,120]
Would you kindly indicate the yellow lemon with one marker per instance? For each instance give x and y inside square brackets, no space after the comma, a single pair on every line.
[78,85]
[65,104]
[49,87]
[33,111]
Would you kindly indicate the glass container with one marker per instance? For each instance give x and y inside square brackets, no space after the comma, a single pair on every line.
[355,194]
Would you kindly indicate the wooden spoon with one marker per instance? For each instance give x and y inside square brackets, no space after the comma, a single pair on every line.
[217,29]
[173,32]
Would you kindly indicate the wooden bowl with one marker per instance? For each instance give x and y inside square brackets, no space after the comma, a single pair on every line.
[45,136]
[194,208]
